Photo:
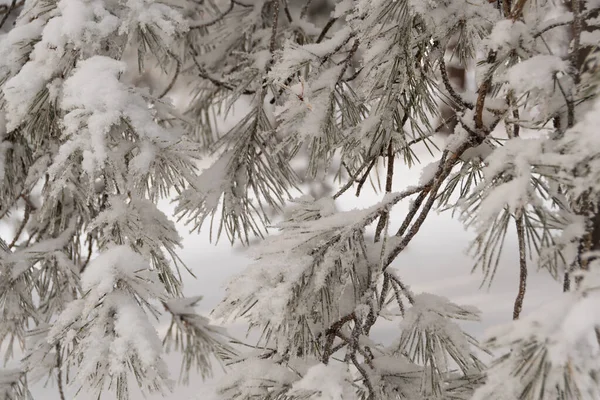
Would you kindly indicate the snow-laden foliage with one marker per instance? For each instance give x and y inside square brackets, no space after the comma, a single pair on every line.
[86,155]
[319,90]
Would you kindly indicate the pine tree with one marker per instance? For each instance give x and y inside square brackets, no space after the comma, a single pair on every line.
[331,91]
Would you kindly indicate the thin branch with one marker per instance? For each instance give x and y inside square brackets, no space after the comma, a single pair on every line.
[365,176]
[89,254]
[173,80]
[577,28]
[388,189]
[286,9]
[444,169]
[352,180]
[398,281]
[273,41]
[384,290]
[220,84]
[365,376]
[27,214]
[216,20]
[414,207]
[326,29]
[446,79]
[305,8]
[482,93]
[331,333]
[522,267]
[569,103]
[59,377]
[582,17]
[397,292]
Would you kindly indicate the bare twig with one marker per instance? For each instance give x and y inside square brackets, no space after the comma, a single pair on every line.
[447,162]
[173,80]
[59,377]
[89,254]
[305,8]
[384,290]
[388,189]
[286,9]
[353,179]
[414,207]
[397,292]
[482,93]
[216,20]
[326,29]
[330,335]
[27,214]
[397,281]
[455,96]
[365,176]
[577,28]
[582,16]
[522,266]
[224,85]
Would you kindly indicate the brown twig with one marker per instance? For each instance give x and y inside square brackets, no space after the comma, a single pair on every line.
[582,16]
[173,80]
[325,29]
[449,88]
[522,266]
[482,93]
[414,207]
[89,254]
[330,336]
[388,189]
[362,181]
[577,28]
[352,180]
[447,162]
